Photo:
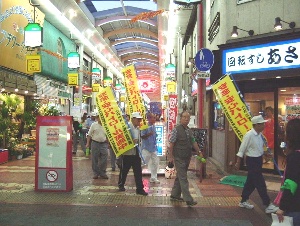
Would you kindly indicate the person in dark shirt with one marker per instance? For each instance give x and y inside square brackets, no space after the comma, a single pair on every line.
[77,135]
[290,200]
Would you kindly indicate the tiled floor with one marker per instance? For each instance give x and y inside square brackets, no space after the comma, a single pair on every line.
[90,199]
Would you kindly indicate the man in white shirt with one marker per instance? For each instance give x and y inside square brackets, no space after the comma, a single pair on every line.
[253,147]
[99,147]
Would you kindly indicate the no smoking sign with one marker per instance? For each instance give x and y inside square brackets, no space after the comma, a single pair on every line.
[52,175]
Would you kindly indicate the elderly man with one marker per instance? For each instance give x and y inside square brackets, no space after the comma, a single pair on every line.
[99,147]
[253,147]
[180,152]
[132,158]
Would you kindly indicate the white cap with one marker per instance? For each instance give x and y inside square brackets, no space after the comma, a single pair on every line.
[136,115]
[94,114]
[258,119]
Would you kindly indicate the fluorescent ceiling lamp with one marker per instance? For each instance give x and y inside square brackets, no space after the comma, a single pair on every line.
[152,40]
[117,20]
[134,42]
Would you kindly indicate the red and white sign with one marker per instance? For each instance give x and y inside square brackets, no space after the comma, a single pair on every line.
[146,86]
[172,113]
[52,175]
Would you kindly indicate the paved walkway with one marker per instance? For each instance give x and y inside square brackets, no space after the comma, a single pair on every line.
[98,202]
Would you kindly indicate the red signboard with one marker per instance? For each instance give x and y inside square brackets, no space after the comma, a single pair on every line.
[172,115]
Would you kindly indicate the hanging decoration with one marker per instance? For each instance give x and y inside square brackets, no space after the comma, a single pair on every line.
[146,15]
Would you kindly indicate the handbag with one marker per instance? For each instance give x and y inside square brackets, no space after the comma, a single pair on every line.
[170,171]
[287,221]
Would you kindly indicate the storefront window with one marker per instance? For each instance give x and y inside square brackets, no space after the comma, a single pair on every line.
[218,117]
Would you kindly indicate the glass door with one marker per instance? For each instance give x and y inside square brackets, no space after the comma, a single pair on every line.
[288,108]
[262,103]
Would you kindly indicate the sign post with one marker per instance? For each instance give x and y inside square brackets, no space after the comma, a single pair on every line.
[53,162]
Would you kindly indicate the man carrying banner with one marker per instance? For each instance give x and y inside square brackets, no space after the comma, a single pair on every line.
[99,148]
[252,146]
[132,158]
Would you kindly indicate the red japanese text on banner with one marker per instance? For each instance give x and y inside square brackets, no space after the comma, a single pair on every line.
[233,106]
[113,122]
[134,97]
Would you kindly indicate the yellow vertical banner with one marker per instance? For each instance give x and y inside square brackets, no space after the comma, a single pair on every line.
[113,122]
[233,106]
[134,98]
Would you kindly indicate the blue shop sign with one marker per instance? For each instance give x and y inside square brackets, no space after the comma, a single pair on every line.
[159,139]
[271,56]
[204,60]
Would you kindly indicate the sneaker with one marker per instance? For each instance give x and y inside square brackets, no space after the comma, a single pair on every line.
[271,208]
[191,203]
[121,189]
[153,180]
[173,198]
[246,205]
[142,193]
[104,177]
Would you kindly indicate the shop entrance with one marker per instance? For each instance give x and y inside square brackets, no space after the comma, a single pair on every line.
[278,108]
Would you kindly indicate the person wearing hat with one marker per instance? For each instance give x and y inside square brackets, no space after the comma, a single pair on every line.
[131,158]
[253,147]
[149,148]
[91,120]
[96,138]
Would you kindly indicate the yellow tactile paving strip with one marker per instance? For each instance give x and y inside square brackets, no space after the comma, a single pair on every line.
[96,192]
[104,198]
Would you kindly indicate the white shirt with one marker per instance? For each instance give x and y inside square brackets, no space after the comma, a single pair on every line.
[252,145]
[97,132]
[135,133]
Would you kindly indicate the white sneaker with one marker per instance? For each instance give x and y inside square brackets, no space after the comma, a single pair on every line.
[246,205]
[271,208]
[153,180]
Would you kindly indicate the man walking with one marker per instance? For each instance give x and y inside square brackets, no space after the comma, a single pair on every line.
[149,147]
[180,152]
[252,147]
[99,148]
[132,158]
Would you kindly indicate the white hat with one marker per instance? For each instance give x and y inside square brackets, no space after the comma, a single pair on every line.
[258,119]
[136,115]
[94,114]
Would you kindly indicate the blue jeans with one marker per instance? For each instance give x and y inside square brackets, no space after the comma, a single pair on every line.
[295,216]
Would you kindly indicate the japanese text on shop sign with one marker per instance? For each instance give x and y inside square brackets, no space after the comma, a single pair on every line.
[272,56]
[234,108]
[113,122]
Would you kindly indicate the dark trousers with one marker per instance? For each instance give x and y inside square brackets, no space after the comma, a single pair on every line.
[256,180]
[133,161]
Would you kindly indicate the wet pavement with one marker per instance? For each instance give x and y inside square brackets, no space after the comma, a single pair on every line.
[98,202]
